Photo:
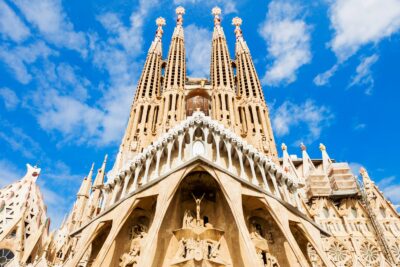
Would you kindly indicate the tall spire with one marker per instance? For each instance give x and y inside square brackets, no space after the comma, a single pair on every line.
[84,190]
[145,107]
[221,68]
[255,123]
[221,74]
[175,76]
[150,84]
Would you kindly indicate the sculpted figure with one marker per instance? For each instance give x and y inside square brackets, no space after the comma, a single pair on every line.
[198,202]
[187,219]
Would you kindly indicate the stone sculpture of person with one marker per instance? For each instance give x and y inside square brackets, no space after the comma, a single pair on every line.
[198,202]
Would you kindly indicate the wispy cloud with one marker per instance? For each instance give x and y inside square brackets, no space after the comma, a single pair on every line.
[357,23]
[9,172]
[18,140]
[9,98]
[288,42]
[323,78]
[390,186]
[11,26]
[363,76]
[198,48]
[309,117]
[49,17]
[19,58]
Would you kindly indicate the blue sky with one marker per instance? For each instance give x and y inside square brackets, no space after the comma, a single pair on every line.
[68,72]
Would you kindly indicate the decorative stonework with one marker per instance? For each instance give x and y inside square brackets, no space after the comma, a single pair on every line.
[137,234]
[198,241]
[395,249]
[313,256]
[369,253]
[338,253]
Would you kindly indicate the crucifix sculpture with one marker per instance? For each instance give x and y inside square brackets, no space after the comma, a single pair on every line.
[198,202]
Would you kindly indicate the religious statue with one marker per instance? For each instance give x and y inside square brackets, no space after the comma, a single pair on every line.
[198,202]
[137,233]
[188,219]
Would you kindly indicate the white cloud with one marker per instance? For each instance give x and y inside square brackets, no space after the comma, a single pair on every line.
[11,25]
[227,6]
[312,118]
[60,102]
[9,173]
[9,97]
[363,75]
[73,118]
[198,50]
[390,187]
[18,58]
[359,22]
[323,78]
[52,22]
[19,140]
[288,42]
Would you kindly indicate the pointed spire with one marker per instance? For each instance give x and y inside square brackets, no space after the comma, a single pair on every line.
[175,73]
[254,109]
[241,45]
[326,160]
[156,45]
[99,180]
[218,31]
[178,31]
[221,68]
[287,163]
[308,165]
[84,190]
[365,177]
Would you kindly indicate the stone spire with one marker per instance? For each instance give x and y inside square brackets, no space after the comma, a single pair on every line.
[145,107]
[84,190]
[255,123]
[81,201]
[222,78]
[175,76]
[97,197]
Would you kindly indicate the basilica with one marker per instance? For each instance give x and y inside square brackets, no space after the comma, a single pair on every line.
[198,181]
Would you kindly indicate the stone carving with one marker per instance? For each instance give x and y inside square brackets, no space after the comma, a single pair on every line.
[313,256]
[261,244]
[395,249]
[198,202]
[369,253]
[339,254]
[196,241]
[137,233]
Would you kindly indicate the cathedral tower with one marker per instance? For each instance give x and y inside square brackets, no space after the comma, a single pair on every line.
[145,109]
[175,77]
[222,78]
[254,121]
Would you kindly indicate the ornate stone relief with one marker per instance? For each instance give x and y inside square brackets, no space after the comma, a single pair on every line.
[137,234]
[198,241]
[313,256]
[339,254]
[395,249]
[262,245]
[370,254]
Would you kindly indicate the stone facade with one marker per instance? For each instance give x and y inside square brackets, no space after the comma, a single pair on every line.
[198,182]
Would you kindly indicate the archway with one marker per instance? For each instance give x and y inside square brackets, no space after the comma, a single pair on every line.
[198,227]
